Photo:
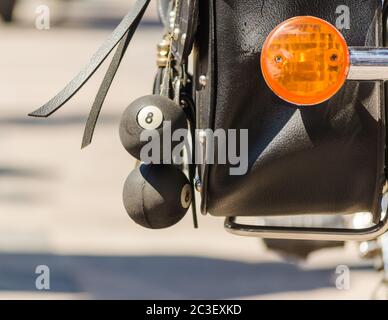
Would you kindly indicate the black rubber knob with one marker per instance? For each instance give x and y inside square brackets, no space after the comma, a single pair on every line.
[157,196]
[149,113]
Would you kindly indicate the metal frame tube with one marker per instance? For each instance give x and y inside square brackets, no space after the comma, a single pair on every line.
[368,64]
[314,234]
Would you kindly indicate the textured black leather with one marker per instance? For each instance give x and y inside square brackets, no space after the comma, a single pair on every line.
[131,20]
[302,160]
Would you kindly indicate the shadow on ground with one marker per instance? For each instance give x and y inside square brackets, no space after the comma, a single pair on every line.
[159,277]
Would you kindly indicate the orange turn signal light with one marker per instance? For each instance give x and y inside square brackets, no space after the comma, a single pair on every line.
[305,60]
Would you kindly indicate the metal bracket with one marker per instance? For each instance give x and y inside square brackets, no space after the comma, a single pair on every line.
[313,234]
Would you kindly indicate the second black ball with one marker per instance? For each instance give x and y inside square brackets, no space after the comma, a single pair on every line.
[157,196]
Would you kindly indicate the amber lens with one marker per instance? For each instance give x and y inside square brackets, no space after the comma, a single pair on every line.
[305,60]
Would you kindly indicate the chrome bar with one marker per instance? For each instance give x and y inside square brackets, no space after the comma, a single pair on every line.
[367,56]
[313,234]
[368,64]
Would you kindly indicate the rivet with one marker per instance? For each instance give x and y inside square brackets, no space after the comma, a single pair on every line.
[203,80]
[183,39]
[176,34]
[198,185]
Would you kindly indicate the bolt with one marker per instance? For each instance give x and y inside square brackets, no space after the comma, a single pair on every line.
[176,34]
[278,59]
[198,185]
[183,39]
[203,80]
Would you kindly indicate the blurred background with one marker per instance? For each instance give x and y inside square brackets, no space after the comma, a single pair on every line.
[62,207]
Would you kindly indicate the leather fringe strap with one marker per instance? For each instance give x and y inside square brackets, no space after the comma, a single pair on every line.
[124,33]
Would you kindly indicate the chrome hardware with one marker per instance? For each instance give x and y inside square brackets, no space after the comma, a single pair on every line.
[198,185]
[163,52]
[202,80]
[368,64]
[314,234]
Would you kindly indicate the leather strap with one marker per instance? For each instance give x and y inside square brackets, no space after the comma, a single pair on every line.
[105,86]
[130,21]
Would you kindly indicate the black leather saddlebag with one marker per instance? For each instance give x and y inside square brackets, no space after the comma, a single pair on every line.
[325,159]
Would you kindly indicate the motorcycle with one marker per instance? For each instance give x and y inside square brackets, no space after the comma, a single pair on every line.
[283,119]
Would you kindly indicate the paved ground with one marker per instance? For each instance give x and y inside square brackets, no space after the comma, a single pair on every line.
[62,208]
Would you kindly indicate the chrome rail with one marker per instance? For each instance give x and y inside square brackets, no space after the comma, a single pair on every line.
[305,233]
[368,64]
